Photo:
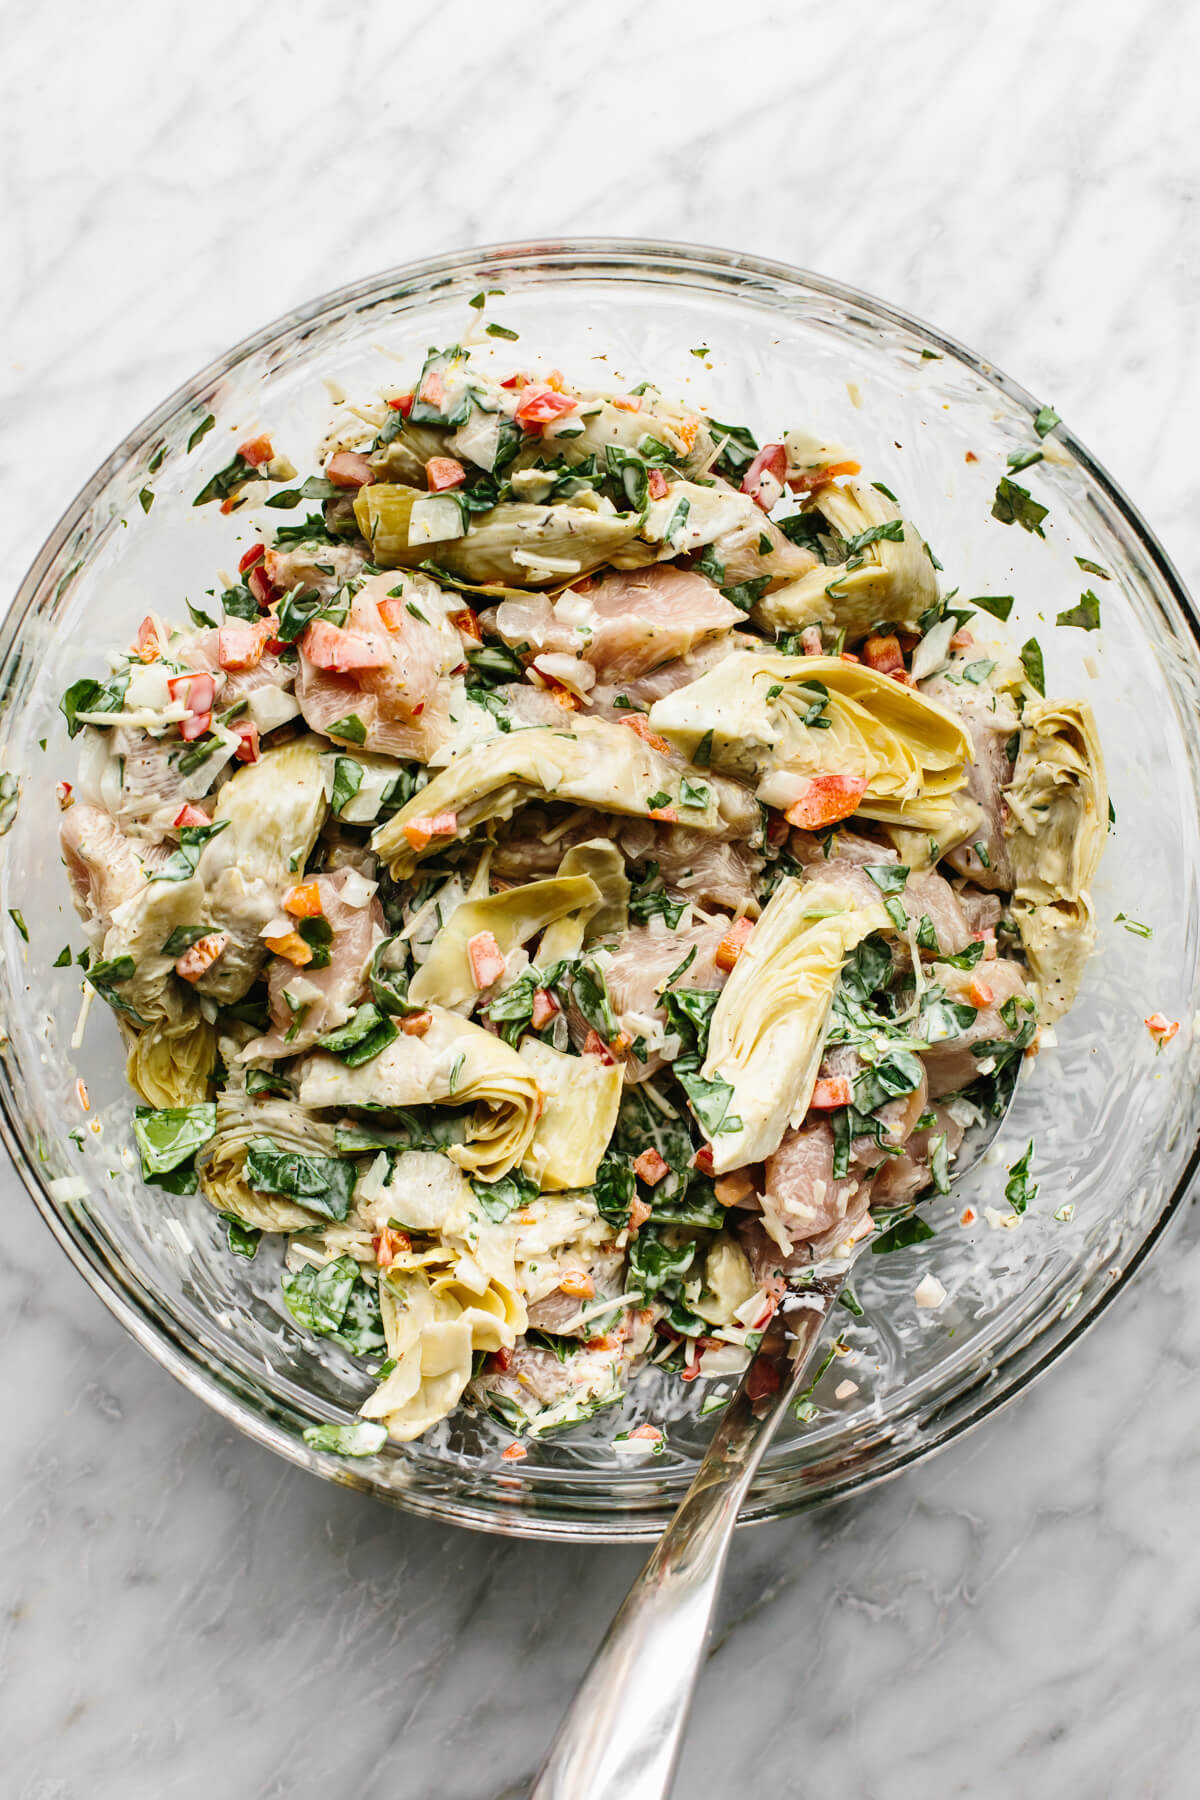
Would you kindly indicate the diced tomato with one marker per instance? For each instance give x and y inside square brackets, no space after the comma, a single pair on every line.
[639,1212]
[421,832]
[291,946]
[810,641]
[262,587]
[540,405]
[514,1453]
[811,479]
[304,901]
[831,1091]
[148,646]
[197,691]
[465,622]
[433,389]
[195,726]
[443,472]
[241,646]
[733,943]
[763,480]
[650,1432]
[416,1024]
[578,1283]
[329,647]
[640,726]
[348,469]
[254,554]
[500,1360]
[403,405]
[627,402]
[703,1159]
[883,654]
[201,955]
[733,1187]
[257,450]
[389,1245]
[64,793]
[666,815]
[594,1045]
[826,800]
[980,994]
[247,750]
[486,959]
[1161,1029]
[518,379]
[544,1008]
[190,815]
[392,612]
[650,1167]
[657,485]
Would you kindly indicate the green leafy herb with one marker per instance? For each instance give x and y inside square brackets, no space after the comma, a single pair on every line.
[146,499]
[649,899]
[702,755]
[106,976]
[499,1198]
[747,594]
[1133,925]
[350,729]
[337,1303]
[1014,504]
[63,959]
[318,935]
[88,696]
[891,531]
[1024,459]
[171,1136]
[15,915]
[202,430]
[1093,568]
[846,1298]
[999,605]
[181,864]
[324,1184]
[501,331]
[694,793]
[709,1101]
[268,1081]
[362,1037]
[902,1235]
[738,448]
[364,1438]
[1045,421]
[1086,615]
[243,1239]
[977,672]
[347,779]
[227,481]
[496,665]
[1020,1190]
[239,603]
[614,1190]
[183,937]
[1034,665]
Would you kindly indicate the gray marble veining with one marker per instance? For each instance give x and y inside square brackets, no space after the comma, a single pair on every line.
[182,1616]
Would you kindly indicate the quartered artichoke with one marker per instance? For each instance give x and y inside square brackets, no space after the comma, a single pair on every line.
[880,580]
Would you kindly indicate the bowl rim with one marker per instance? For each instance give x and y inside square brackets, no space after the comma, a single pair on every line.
[177,1350]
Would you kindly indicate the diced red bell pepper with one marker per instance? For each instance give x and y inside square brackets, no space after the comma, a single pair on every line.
[303,901]
[831,1091]
[640,726]
[421,832]
[733,943]
[254,554]
[627,402]
[240,646]
[148,646]
[416,1024]
[190,815]
[262,587]
[247,750]
[771,464]
[733,1187]
[329,647]
[64,793]
[650,1167]
[980,994]
[403,404]
[389,1245]
[541,405]
[348,469]
[826,800]
[703,1159]
[486,959]
[197,691]
[291,946]
[594,1045]
[443,473]
[812,479]
[465,622]
[666,815]
[884,655]
[657,485]
[201,955]
[257,450]
[433,389]
[392,612]
[578,1284]
[544,1008]
[195,726]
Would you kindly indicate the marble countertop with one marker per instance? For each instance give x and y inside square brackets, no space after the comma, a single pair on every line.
[182,1614]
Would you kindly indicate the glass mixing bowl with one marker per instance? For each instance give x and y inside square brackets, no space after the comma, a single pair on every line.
[1114,1124]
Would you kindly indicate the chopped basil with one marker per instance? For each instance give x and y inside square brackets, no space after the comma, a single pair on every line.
[315,488]
[939,1162]
[172,1135]
[350,729]
[496,665]
[200,618]
[1024,459]
[1020,1189]
[364,1438]
[227,481]
[1093,568]
[738,448]
[239,603]
[649,899]
[709,1101]
[15,915]
[146,499]
[499,1198]
[747,594]
[889,878]
[614,1190]
[891,531]
[1133,925]
[694,793]
[963,959]
[1034,665]
[63,959]
[702,755]
[1086,615]
[268,1081]
[364,1035]
[181,864]
[243,1239]
[846,1297]
[902,1235]
[336,1302]
[999,605]
[347,779]
[202,430]
[183,937]
[656,802]
[978,671]
[1014,504]
[707,564]
[324,1184]
[501,331]
[318,935]
[105,975]
[88,696]
[1045,421]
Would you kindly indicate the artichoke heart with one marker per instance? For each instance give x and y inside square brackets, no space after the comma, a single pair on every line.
[518,545]
[514,916]
[882,579]
[601,861]
[1056,825]
[784,719]
[456,1063]
[768,1027]
[222,1161]
[582,1095]
[595,763]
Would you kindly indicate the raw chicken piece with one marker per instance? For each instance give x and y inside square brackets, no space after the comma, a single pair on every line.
[203,652]
[356,931]
[104,868]
[802,1199]
[638,967]
[644,690]
[325,567]
[950,1065]
[991,719]
[623,625]
[900,1179]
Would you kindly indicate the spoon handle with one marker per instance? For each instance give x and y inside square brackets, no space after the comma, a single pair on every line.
[621,1736]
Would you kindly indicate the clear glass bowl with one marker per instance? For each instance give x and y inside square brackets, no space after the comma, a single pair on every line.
[1115,1126]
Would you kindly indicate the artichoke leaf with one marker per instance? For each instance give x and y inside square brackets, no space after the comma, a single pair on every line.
[602,862]
[884,579]
[768,1027]
[512,917]
[581,1098]
[516,545]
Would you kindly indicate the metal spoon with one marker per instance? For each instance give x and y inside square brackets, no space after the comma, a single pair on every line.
[621,1736]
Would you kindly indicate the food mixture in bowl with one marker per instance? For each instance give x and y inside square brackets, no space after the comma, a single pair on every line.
[584,874]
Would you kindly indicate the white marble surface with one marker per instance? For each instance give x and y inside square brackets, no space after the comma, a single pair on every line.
[183,1616]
